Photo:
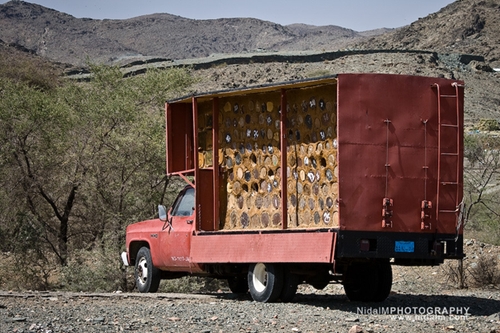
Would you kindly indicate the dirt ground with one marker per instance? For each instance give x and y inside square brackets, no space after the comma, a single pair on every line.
[423,299]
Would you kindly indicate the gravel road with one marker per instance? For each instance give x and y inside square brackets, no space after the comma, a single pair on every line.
[226,312]
[422,300]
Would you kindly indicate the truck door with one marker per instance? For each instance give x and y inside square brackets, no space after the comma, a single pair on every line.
[400,153]
[175,237]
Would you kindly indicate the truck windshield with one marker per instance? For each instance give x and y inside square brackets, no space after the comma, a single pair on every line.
[184,206]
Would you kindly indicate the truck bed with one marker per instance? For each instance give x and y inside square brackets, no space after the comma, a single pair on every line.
[360,154]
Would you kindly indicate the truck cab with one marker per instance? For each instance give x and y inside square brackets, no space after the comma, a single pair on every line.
[162,243]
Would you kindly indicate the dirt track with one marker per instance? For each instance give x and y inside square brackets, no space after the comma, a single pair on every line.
[418,294]
[468,311]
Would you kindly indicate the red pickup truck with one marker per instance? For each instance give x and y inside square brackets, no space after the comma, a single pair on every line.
[332,179]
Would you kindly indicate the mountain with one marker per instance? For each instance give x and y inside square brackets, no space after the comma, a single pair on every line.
[461,41]
[464,26]
[64,38]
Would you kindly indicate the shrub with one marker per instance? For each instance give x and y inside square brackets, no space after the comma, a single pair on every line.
[193,284]
[488,125]
[33,271]
[485,272]
[456,273]
[94,270]
[318,73]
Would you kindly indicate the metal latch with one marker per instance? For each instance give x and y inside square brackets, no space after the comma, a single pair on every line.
[387,205]
[425,215]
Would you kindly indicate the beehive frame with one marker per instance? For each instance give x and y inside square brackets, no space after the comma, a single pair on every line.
[249,158]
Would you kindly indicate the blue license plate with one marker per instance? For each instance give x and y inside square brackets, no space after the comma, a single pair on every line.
[404,246]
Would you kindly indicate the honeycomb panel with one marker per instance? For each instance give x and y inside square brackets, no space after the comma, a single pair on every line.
[250,159]
[312,158]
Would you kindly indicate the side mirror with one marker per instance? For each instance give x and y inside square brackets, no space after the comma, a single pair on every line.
[162,213]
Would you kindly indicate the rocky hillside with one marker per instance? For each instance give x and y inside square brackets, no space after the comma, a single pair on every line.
[465,26]
[64,38]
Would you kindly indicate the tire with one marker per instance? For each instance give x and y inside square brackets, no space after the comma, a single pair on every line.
[361,282]
[384,281]
[147,277]
[290,284]
[265,282]
[238,284]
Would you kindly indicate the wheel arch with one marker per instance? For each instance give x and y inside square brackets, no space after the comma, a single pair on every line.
[134,248]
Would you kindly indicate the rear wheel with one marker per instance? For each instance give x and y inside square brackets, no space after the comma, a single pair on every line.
[147,277]
[265,281]
[238,284]
[290,284]
[361,281]
[384,281]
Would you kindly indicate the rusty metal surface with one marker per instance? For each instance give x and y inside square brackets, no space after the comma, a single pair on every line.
[205,200]
[179,138]
[396,152]
[388,148]
[296,247]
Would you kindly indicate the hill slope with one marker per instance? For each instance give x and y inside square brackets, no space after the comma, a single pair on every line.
[465,26]
[62,37]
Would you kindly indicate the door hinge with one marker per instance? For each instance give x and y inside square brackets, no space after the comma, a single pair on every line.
[387,205]
[425,215]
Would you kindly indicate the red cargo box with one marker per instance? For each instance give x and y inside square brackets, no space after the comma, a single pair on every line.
[399,157]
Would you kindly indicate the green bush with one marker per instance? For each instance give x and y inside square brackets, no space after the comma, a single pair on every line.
[92,271]
[488,125]
[78,163]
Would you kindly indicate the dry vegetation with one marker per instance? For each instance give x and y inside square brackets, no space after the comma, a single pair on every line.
[84,141]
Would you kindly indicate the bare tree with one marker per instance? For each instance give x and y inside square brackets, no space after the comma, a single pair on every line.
[481,182]
[80,161]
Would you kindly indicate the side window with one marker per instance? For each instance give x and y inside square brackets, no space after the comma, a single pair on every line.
[184,206]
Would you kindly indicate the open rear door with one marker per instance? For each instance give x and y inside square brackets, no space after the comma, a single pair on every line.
[179,138]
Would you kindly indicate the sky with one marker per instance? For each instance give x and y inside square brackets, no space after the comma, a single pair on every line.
[359,15]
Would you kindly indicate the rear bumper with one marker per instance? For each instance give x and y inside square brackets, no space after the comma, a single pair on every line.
[405,248]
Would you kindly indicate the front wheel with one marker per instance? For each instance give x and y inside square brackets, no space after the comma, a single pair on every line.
[147,276]
[265,281]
